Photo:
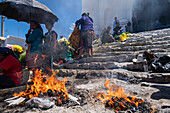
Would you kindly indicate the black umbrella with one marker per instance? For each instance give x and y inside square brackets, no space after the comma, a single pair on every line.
[27,10]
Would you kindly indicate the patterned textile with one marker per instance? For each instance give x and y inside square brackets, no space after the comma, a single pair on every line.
[34,60]
[75,38]
[87,37]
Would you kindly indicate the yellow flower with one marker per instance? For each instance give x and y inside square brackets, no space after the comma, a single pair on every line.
[69,47]
[68,43]
[18,48]
[123,37]
[58,71]
[63,40]
[106,43]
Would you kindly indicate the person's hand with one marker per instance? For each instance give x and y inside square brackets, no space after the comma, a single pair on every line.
[77,25]
[1,74]
[1,71]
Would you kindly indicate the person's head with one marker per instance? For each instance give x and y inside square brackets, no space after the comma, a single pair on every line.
[3,53]
[61,37]
[108,28]
[85,14]
[157,21]
[117,24]
[134,14]
[35,25]
[115,18]
[49,24]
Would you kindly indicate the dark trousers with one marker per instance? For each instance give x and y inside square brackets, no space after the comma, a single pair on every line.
[135,28]
[6,82]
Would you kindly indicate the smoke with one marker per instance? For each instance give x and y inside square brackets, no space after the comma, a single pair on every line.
[68,12]
[72,26]
[104,11]
[149,11]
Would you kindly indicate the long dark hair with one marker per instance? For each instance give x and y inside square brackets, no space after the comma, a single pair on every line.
[37,24]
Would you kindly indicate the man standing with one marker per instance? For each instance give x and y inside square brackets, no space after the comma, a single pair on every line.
[114,23]
[135,23]
[86,23]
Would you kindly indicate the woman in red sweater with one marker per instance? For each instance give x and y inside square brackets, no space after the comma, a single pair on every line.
[10,68]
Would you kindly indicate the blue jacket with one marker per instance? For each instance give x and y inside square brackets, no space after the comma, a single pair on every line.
[36,41]
[86,23]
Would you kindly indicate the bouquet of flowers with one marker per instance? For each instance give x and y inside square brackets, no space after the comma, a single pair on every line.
[18,48]
[63,50]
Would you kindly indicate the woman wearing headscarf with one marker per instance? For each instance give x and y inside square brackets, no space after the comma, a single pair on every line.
[49,45]
[86,23]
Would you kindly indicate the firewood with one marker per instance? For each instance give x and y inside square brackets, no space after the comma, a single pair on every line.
[10,91]
[14,101]
[10,99]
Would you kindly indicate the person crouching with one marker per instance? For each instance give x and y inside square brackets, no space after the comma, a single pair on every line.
[10,68]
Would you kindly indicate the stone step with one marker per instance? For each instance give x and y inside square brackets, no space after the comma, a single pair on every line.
[81,73]
[148,38]
[142,41]
[97,65]
[154,33]
[155,48]
[150,45]
[151,42]
[157,52]
[116,73]
[120,57]
[137,48]
[117,58]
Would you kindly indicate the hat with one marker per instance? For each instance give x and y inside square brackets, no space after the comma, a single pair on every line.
[84,14]
[139,59]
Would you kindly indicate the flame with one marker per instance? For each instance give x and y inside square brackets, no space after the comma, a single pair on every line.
[107,84]
[118,99]
[41,84]
[106,68]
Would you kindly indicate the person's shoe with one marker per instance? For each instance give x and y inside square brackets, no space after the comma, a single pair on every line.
[90,55]
[85,55]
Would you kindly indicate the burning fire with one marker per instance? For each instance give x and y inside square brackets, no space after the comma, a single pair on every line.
[45,86]
[120,101]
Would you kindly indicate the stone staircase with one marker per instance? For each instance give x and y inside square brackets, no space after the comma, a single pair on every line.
[118,55]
